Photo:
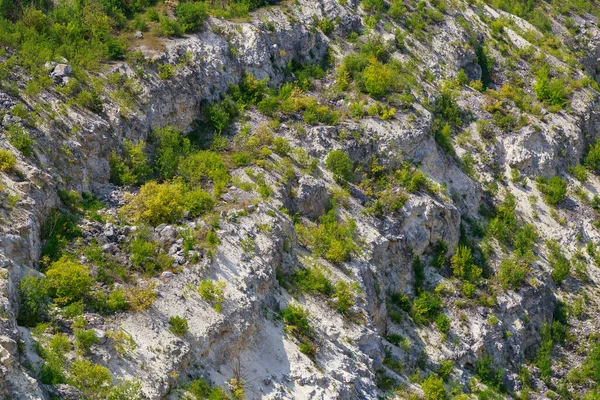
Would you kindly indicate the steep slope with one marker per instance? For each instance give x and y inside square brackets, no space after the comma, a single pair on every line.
[399,210]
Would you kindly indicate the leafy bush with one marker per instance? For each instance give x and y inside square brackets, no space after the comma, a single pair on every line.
[295,318]
[20,139]
[165,71]
[551,91]
[8,161]
[561,265]
[512,272]
[171,145]
[157,203]
[344,296]
[433,388]
[313,280]
[57,231]
[68,281]
[212,292]
[84,339]
[488,374]
[579,172]
[178,325]
[132,168]
[463,265]
[426,307]
[202,167]
[54,359]
[340,164]
[331,239]
[203,390]
[92,379]
[377,79]
[198,202]
[373,5]
[554,189]
[35,300]
[592,158]
[191,15]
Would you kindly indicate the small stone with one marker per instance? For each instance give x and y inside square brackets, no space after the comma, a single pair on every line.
[227,198]
[169,233]
[60,71]
[101,335]
[138,35]
[167,275]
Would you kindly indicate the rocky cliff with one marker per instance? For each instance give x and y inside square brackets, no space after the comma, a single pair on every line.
[413,316]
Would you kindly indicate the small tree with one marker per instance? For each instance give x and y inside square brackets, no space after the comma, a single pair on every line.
[34,300]
[463,266]
[68,281]
[433,388]
[377,78]
[340,164]
[157,203]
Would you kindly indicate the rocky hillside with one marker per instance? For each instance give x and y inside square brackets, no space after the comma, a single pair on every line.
[301,200]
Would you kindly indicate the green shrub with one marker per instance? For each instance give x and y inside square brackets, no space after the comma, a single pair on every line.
[191,16]
[295,318]
[512,272]
[132,168]
[178,325]
[579,172]
[68,281]
[433,388]
[426,307]
[8,161]
[344,296]
[171,145]
[442,322]
[331,239]
[327,26]
[157,203]
[373,5]
[463,265]
[53,354]
[84,339]
[198,202]
[165,71]
[377,79]
[340,164]
[591,365]
[90,100]
[169,27]
[213,293]
[35,300]
[20,139]
[488,374]
[592,158]
[202,167]
[313,280]
[57,230]
[553,92]
[203,390]
[443,138]
[554,189]
[561,265]
[92,379]
[143,252]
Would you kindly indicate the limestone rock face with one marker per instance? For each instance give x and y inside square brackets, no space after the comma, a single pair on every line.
[401,251]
